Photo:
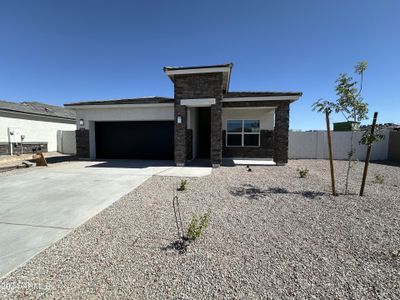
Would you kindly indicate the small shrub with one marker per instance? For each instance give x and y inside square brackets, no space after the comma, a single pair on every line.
[379,178]
[197,225]
[303,172]
[183,185]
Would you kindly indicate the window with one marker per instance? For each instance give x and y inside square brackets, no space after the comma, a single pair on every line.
[243,133]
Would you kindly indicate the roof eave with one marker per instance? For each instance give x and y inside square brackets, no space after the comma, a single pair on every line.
[226,68]
[133,101]
[290,98]
[37,114]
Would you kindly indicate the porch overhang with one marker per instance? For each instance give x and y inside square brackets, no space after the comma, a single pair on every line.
[261,97]
[204,102]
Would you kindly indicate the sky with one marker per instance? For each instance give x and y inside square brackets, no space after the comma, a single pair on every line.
[66,51]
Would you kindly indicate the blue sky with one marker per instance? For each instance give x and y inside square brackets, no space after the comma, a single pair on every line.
[63,51]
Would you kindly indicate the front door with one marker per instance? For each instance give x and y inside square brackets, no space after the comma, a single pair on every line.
[204,132]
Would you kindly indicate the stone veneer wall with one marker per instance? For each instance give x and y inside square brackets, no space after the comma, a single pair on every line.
[281,134]
[82,143]
[28,147]
[216,134]
[4,149]
[196,86]
[281,129]
[265,150]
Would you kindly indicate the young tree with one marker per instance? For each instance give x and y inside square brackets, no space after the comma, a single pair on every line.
[326,107]
[350,104]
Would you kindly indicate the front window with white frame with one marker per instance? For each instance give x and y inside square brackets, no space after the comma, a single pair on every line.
[243,133]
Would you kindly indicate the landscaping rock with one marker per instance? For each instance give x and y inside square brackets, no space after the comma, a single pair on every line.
[271,235]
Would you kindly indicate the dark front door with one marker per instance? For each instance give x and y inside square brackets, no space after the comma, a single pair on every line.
[135,140]
[204,132]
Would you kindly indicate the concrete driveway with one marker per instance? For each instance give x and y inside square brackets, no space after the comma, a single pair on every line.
[39,207]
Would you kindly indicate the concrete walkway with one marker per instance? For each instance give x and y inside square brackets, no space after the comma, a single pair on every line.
[41,206]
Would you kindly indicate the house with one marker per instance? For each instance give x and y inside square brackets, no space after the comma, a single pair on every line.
[32,125]
[203,120]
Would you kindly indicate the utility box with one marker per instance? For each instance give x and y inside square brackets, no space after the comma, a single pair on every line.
[346,126]
[14,135]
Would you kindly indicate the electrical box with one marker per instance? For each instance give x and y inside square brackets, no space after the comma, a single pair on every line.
[14,135]
[346,126]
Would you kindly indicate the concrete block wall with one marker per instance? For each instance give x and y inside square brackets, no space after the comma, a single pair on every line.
[66,142]
[314,145]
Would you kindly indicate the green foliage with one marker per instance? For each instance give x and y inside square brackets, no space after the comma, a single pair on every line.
[361,67]
[303,172]
[323,106]
[183,185]
[349,101]
[369,139]
[197,225]
[379,178]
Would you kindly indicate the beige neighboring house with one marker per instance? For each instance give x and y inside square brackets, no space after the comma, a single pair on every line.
[27,126]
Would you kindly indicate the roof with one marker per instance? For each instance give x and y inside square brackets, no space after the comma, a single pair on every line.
[38,108]
[172,68]
[225,69]
[261,94]
[141,100]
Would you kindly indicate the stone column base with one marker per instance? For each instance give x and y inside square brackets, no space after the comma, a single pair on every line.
[216,165]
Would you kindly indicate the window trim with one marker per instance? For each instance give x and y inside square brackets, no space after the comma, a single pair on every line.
[242,133]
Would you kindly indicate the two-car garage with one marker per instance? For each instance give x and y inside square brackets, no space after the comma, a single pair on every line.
[141,128]
[135,140]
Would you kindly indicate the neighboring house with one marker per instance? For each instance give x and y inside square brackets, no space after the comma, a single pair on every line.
[28,125]
[203,120]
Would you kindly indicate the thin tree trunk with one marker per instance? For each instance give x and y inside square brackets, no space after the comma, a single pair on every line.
[328,132]
[351,153]
[364,178]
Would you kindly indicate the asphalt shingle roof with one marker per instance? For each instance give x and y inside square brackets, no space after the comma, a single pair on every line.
[141,100]
[38,108]
[261,94]
[170,68]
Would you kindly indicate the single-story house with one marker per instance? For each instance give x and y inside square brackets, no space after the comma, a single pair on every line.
[32,125]
[204,119]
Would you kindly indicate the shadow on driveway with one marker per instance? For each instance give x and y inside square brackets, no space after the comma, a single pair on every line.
[140,164]
[131,163]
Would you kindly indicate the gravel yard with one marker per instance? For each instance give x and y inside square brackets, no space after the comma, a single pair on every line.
[271,235]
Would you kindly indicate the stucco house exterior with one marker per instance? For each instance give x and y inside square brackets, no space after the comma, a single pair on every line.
[29,125]
[204,120]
